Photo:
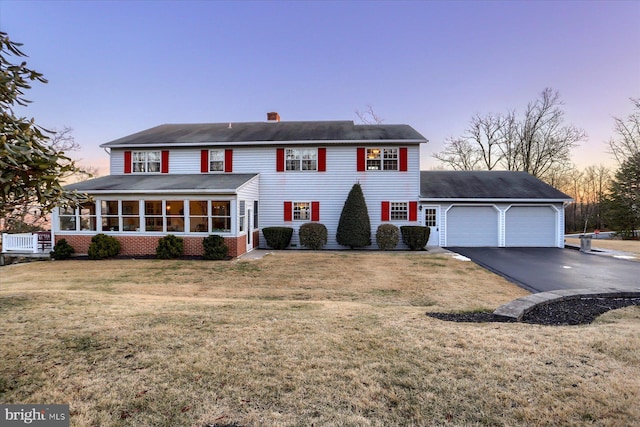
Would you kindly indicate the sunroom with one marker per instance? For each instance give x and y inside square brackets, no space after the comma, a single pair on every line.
[140,210]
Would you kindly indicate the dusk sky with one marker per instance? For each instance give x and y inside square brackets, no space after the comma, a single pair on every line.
[116,67]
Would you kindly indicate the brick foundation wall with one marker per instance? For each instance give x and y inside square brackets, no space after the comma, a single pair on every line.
[146,245]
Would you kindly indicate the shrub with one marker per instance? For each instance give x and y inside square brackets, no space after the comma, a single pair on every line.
[278,237]
[170,247]
[103,246]
[415,236]
[354,228]
[387,236]
[313,235]
[62,250]
[214,247]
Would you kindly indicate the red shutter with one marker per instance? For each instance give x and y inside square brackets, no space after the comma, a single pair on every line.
[127,162]
[403,159]
[280,160]
[228,160]
[413,211]
[288,211]
[204,161]
[361,160]
[164,165]
[322,159]
[385,211]
[315,211]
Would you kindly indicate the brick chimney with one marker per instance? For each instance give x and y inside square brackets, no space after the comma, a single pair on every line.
[273,117]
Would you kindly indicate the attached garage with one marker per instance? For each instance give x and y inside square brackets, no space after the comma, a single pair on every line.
[530,226]
[493,209]
[472,226]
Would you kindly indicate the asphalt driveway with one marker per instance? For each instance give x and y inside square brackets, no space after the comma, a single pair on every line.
[549,269]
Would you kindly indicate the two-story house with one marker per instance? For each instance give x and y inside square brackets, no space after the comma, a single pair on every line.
[234,179]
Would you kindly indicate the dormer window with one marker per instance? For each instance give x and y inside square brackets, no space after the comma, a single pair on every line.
[146,161]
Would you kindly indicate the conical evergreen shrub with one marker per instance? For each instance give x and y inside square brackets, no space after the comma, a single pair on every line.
[354,228]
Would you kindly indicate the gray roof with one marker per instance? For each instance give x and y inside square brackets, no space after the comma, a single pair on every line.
[267,132]
[174,183]
[494,185]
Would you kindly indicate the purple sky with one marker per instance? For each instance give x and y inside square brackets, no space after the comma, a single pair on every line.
[115,68]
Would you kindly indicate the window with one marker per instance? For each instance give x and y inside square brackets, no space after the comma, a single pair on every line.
[88,216]
[216,160]
[130,215]
[241,215]
[382,159]
[430,217]
[175,215]
[301,211]
[110,215]
[67,218]
[198,216]
[255,214]
[301,159]
[153,215]
[399,211]
[221,215]
[146,161]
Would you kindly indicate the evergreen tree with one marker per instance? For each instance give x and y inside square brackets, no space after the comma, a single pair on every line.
[624,203]
[354,228]
[32,168]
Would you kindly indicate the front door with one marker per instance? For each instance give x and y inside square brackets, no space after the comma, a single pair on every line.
[432,220]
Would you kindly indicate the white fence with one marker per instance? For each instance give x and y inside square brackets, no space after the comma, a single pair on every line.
[29,243]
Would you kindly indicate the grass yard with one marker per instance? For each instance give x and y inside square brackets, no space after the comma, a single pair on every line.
[302,338]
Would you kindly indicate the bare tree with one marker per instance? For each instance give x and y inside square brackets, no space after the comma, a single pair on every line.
[459,154]
[539,142]
[369,117]
[627,140]
[544,141]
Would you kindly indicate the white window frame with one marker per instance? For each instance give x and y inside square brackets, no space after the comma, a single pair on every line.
[301,159]
[216,160]
[398,211]
[146,161]
[301,211]
[383,159]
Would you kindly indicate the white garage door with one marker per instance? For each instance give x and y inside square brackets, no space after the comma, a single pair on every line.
[472,226]
[530,226]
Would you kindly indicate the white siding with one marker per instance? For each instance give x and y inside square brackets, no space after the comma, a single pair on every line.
[330,188]
[117,162]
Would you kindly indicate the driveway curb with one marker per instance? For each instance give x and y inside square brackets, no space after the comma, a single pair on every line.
[516,309]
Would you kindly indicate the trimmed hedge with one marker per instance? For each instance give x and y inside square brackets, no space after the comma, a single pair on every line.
[170,247]
[214,247]
[415,236]
[62,250]
[278,237]
[313,235]
[387,236]
[103,246]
